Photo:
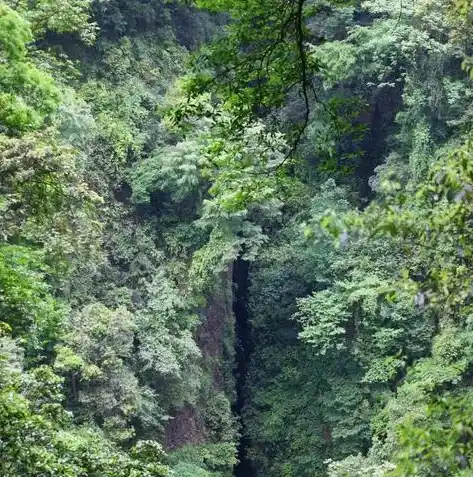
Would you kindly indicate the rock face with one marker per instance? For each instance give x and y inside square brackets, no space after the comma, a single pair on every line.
[216,340]
[185,428]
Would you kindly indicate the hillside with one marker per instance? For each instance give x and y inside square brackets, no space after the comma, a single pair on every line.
[235,238]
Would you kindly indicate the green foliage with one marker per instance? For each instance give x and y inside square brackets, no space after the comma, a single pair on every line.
[117,228]
[97,353]
[439,443]
[358,305]
[419,207]
[28,94]
[435,221]
[37,436]
[358,466]
[210,460]
[45,199]
[167,349]
[302,408]
[47,16]
[262,56]
[172,169]
[219,420]
[83,282]
[27,305]
[184,469]
[330,317]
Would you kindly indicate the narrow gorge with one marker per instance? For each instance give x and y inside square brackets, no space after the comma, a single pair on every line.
[243,344]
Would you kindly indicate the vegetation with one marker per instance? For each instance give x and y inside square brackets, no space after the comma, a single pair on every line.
[146,147]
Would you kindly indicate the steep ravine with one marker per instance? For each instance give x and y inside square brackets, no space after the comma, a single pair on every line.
[243,345]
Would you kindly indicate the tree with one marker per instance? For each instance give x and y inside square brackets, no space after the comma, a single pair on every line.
[261,61]
[37,435]
[28,94]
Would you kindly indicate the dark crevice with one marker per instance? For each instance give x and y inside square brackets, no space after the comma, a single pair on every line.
[243,348]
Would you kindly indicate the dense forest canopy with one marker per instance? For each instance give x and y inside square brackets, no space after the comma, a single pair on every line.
[235,238]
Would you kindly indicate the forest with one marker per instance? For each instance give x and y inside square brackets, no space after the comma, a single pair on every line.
[236,238]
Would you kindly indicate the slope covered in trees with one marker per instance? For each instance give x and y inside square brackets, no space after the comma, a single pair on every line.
[235,231]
